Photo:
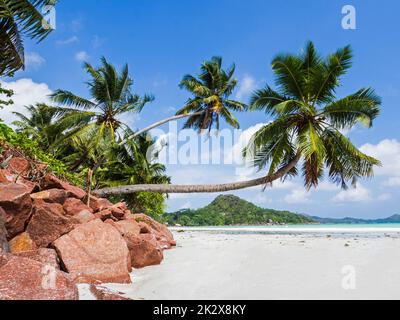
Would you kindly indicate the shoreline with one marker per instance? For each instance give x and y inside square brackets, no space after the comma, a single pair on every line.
[293,230]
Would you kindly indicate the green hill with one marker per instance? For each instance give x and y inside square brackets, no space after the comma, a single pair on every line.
[231,210]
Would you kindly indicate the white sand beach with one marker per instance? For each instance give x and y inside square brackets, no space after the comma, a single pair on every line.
[217,265]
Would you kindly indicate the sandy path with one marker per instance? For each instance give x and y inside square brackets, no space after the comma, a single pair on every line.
[206,265]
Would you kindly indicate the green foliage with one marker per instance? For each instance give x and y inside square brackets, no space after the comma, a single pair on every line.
[30,148]
[308,118]
[231,210]
[8,94]
[19,18]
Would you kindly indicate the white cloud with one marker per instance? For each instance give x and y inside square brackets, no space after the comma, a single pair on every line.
[392,182]
[260,199]
[388,152]
[81,56]
[70,40]
[357,194]
[234,154]
[26,92]
[327,186]
[384,197]
[33,60]
[297,196]
[186,205]
[246,86]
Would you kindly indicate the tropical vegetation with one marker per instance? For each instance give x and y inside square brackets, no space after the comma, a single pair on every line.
[86,140]
[229,210]
[306,130]
[19,19]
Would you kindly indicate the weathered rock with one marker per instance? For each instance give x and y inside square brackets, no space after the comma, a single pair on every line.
[144,249]
[44,255]
[48,223]
[161,232]
[19,166]
[144,227]
[22,243]
[6,176]
[4,258]
[102,293]
[117,213]
[51,182]
[76,208]
[94,252]
[17,205]
[4,247]
[51,196]
[26,279]
[105,215]
[129,228]
[73,206]
[99,204]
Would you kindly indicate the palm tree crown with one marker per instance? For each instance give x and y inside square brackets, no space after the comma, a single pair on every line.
[211,91]
[112,98]
[39,123]
[308,119]
[19,18]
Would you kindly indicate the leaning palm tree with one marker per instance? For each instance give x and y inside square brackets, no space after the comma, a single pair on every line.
[111,100]
[19,18]
[306,126]
[211,90]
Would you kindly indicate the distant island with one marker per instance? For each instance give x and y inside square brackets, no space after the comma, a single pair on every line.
[230,210]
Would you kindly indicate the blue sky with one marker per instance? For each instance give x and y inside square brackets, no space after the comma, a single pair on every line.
[163,40]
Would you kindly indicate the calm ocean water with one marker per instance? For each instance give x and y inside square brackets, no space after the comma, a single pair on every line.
[373,229]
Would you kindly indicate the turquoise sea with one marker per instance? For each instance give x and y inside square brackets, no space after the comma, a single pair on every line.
[377,229]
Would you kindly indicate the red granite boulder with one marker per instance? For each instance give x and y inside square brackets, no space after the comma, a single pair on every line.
[48,223]
[19,166]
[52,182]
[161,232]
[102,293]
[22,243]
[94,252]
[77,209]
[99,204]
[51,196]
[27,279]
[17,206]
[44,255]
[144,250]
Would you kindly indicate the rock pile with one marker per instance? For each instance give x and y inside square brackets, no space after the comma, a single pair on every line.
[52,237]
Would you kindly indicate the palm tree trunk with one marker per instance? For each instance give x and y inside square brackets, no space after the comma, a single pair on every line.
[159,123]
[167,188]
